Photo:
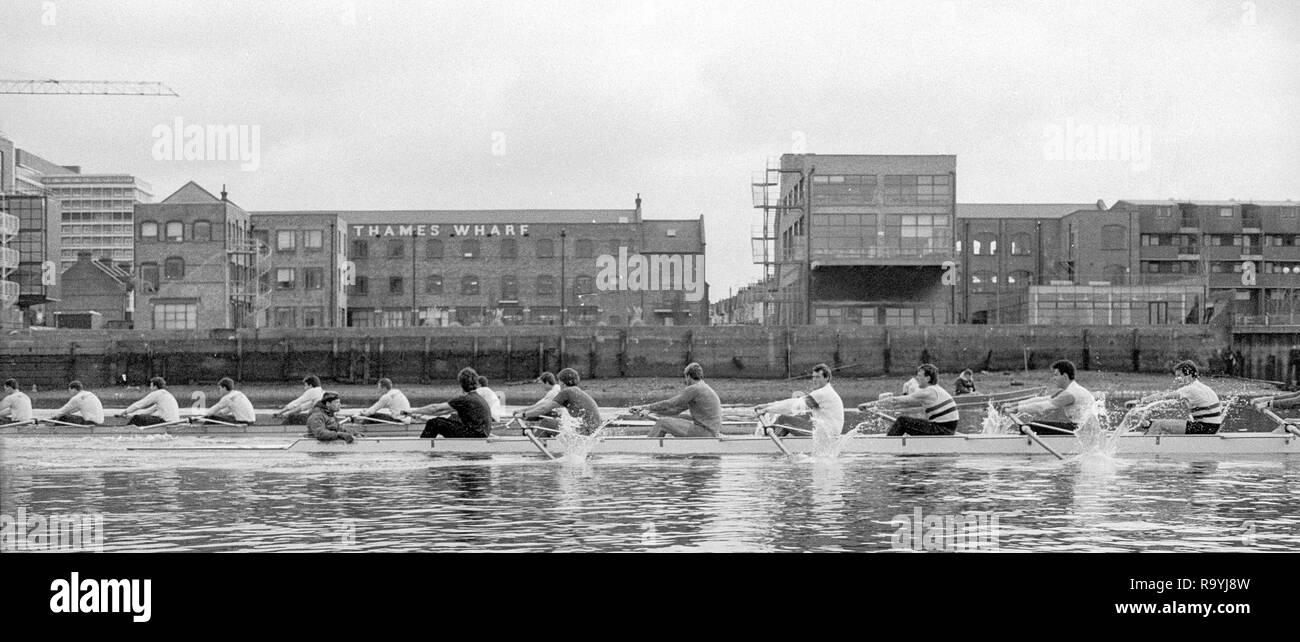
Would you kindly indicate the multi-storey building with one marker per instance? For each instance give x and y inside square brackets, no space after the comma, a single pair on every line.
[97,214]
[857,239]
[301,263]
[506,267]
[195,263]
[33,240]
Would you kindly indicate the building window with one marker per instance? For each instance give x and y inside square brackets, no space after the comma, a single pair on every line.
[469,284]
[433,284]
[313,239]
[395,285]
[396,248]
[545,249]
[1225,212]
[985,243]
[149,277]
[509,249]
[546,285]
[469,248]
[975,247]
[584,285]
[584,249]
[1019,277]
[175,316]
[313,318]
[148,231]
[174,268]
[360,249]
[433,250]
[202,231]
[1021,244]
[175,231]
[284,278]
[1114,237]
[285,241]
[313,278]
[361,288]
[510,288]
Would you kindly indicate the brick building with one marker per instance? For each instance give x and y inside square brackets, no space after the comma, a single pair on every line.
[301,266]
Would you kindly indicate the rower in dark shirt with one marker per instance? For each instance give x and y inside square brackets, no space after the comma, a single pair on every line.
[465,416]
[577,402]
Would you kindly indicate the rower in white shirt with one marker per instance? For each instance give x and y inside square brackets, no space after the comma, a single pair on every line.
[1072,400]
[157,407]
[83,409]
[392,403]
[1203,407]
[493,399]
[295,412]
[233,407]
[823,406]
[16,406]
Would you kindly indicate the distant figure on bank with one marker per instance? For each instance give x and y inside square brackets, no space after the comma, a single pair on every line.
[697,398]
[391,406]
[940,410]
[493,399]
[16,406]
[1064,394]
[822,406]
[322,422]
[472,418]
[83,409]
[233,407]
[157,407]
[1206,414]
[573,399]
[965,383]
[295,412]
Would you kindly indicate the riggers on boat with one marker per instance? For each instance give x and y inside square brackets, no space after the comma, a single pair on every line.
[1222,445]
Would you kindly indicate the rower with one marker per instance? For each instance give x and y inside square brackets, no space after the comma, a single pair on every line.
[157,407]
[1202,402]
[295,412]
[941,414]
[233,407]
[493,399]
[573,399]
[472,418]
[16,406]
[553,386]
[822,406]
[392,403]
[1073,400]
[322,422]
[83,409]
[698,398]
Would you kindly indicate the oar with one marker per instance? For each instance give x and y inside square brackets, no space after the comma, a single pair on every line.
[1289,426]
[15,424]
[771,434]
[214,421]
[1047,427]
[528,432]
[1028,432]
[56,422]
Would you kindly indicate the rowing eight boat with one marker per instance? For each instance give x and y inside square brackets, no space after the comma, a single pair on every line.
[975,444]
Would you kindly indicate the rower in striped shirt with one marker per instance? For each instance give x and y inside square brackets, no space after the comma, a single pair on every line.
[1202,402]
[940,410]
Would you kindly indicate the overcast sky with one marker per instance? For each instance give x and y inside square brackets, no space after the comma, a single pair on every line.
[469,105]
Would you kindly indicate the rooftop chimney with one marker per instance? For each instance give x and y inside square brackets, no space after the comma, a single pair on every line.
[223,192]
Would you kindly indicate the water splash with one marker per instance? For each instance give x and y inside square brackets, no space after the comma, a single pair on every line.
[575,445]
[996,423]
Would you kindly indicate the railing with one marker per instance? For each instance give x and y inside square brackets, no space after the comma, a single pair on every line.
[8,292]
[8,258]
[1267,319]
[877,252]
[8,224]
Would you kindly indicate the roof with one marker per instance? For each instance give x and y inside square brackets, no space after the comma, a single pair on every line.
[360,217]
[190,193]
[1228,203]
[1020,210]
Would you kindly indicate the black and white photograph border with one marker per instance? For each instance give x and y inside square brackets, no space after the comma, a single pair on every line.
[595,277]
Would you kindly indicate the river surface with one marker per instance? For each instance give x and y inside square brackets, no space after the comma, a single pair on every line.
[282,501]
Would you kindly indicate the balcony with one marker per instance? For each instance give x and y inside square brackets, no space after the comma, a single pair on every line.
[883,255]
[8,292]
[8,224]
[8,258]
[1222,252]
[1274,280]
[1282,253]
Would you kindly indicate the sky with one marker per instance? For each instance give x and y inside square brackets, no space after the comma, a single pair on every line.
[521,105]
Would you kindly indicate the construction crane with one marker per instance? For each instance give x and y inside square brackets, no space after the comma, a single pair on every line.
[86,87]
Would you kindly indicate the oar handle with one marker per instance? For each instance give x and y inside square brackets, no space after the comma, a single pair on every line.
[1028,432]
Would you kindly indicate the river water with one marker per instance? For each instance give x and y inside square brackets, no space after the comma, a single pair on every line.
[281,501]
